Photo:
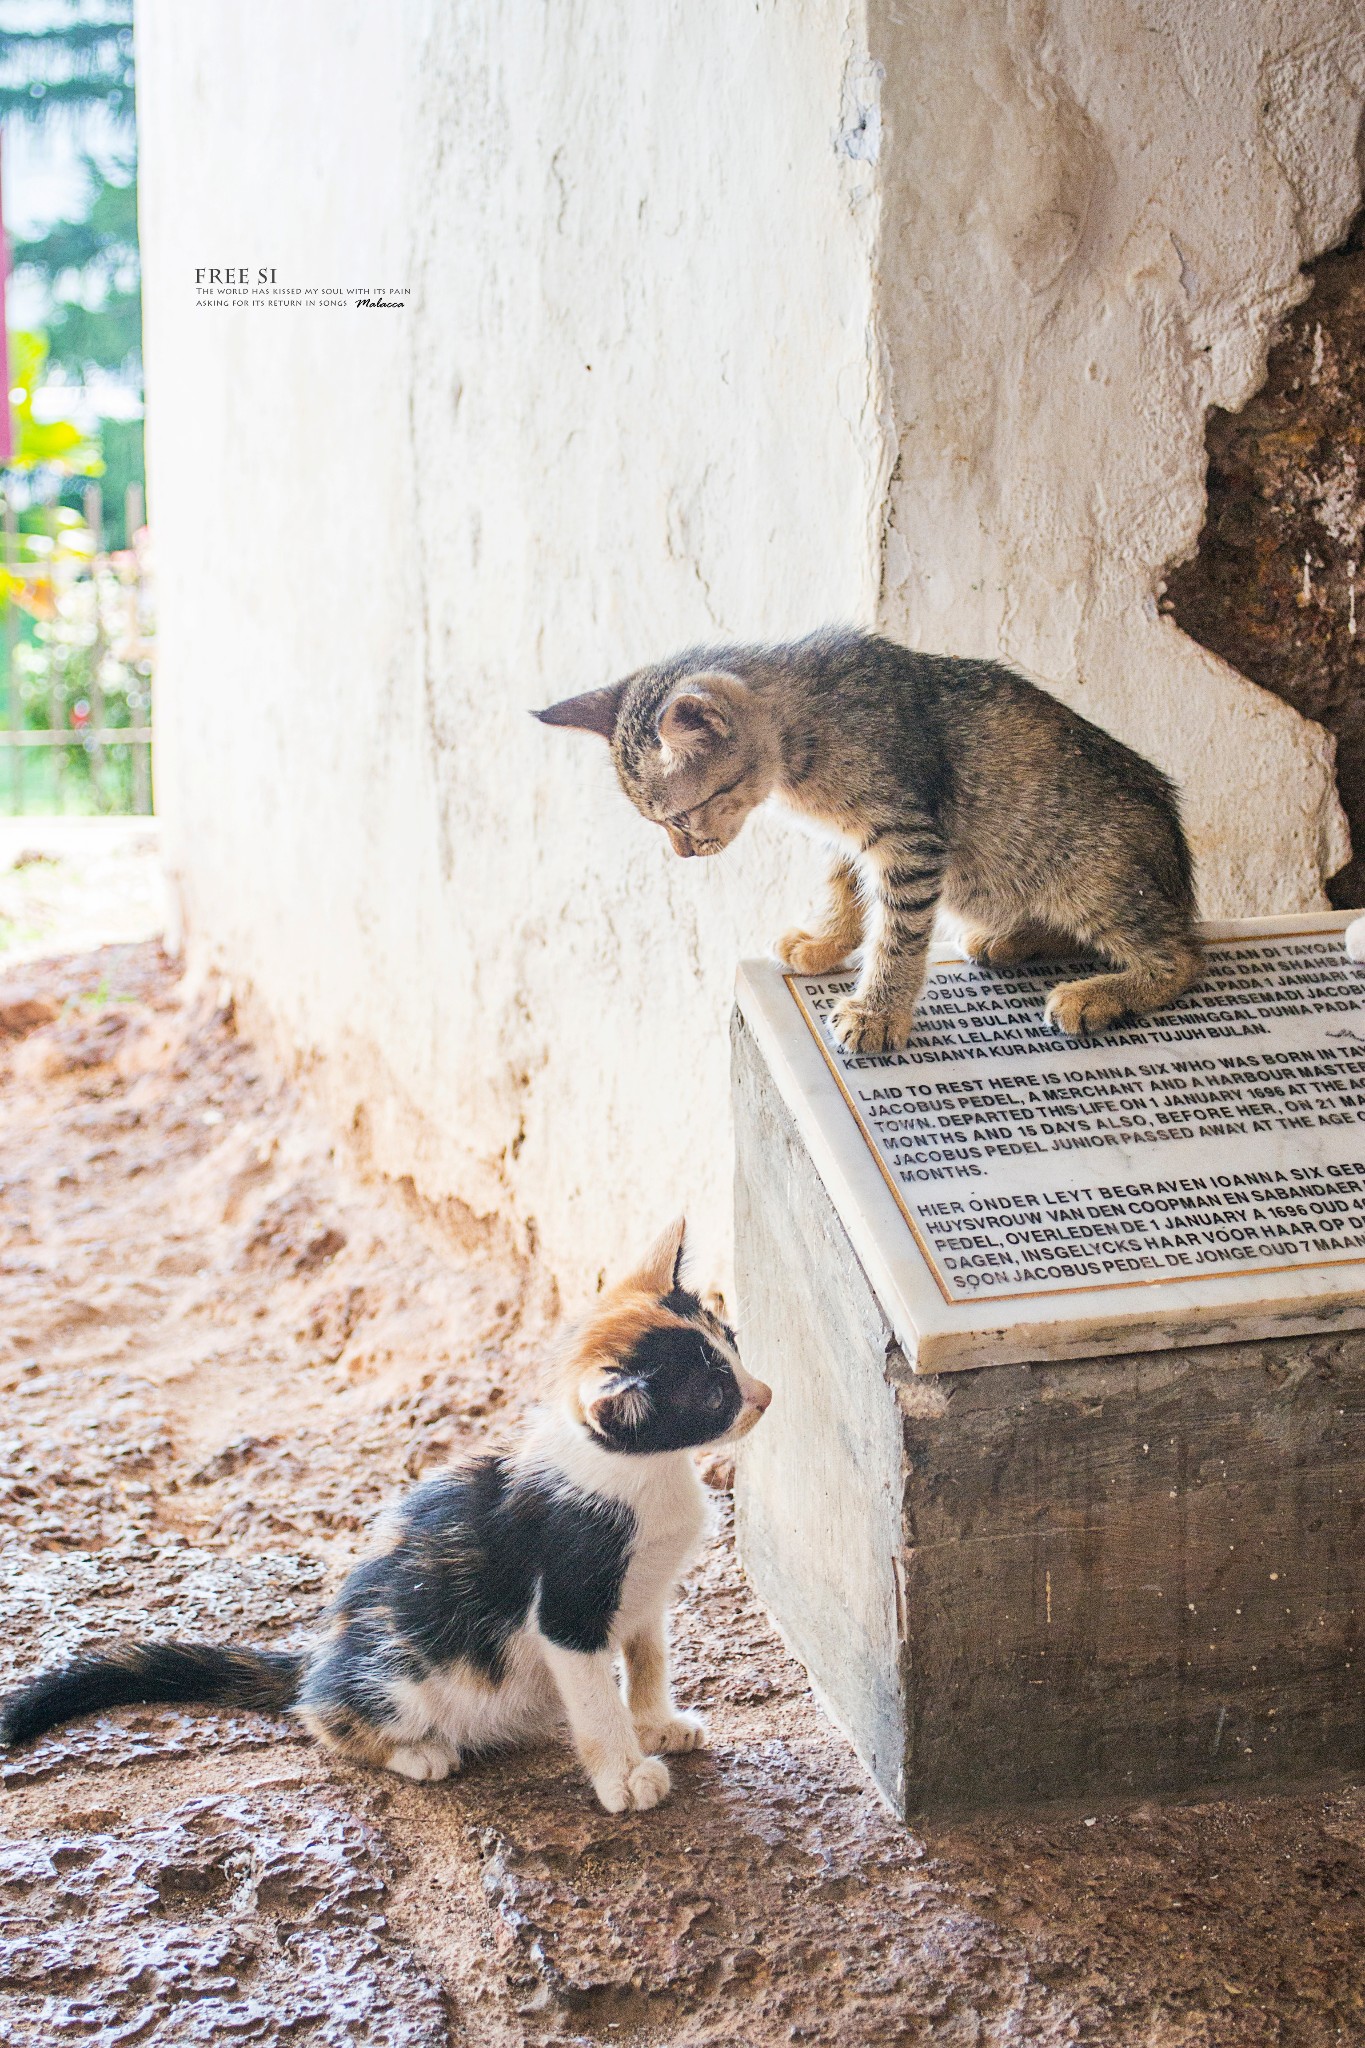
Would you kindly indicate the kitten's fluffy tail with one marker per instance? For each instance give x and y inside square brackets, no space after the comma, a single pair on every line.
[141,1674]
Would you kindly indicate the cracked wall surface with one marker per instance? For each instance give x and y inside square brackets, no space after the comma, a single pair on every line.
[723,323]
[1093,218]
[1275,587]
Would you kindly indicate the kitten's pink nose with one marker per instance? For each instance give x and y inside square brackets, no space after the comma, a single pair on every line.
[681,844]
[760,1395]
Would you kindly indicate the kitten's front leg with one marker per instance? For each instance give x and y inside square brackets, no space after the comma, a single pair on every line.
[841,929]
[603,1732]
[658,1723]
[880,1013]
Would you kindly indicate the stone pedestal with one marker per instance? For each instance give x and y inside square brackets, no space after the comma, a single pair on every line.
[1083,1579]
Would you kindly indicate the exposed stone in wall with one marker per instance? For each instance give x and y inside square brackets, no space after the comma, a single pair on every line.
[1090,233]
[1277,587]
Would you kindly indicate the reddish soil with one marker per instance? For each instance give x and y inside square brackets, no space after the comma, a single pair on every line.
[220,1350]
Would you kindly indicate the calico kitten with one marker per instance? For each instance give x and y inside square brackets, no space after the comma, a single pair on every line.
[940,781]
[504,1588]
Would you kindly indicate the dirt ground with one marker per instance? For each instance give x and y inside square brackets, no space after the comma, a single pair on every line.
[220,1351]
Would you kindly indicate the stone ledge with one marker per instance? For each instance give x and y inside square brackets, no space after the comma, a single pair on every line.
[1131,1575]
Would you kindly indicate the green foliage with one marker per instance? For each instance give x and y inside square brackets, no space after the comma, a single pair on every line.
[102,242]
[106,337]
[84,61]
[79,628]
[90,267]
[58,444]
[121,448]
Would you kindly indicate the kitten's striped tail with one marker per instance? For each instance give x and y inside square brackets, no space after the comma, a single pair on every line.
[143,1674]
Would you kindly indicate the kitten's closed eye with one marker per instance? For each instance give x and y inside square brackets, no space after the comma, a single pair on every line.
[683,818]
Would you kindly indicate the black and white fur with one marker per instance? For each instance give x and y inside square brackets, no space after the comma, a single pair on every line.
[503,1591]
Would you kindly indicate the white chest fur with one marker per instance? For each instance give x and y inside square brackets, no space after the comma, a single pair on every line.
[668,1531]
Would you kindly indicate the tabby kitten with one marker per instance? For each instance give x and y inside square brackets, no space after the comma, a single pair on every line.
[939,781]
[503,1589]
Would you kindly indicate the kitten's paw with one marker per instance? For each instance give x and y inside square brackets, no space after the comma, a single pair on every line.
[1081,1008]
[1007,949]
[974,944]
[1024,942]
[678,1732]
[811,952]
[648,1783]
[634,1787]
[423,1761]
[862,1027]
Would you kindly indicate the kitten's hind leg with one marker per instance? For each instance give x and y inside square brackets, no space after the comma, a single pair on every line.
[423,1761]
[1150,976]
[840,933]
[353,1703]
[1023,942]
[348,1734]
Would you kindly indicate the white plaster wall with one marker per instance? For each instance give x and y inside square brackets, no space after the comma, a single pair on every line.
[635,403]
[687,278]
[1093,217]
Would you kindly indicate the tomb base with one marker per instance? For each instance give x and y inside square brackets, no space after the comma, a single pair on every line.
[1088,1579]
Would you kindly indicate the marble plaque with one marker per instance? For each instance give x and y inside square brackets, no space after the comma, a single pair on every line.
[1014,1194]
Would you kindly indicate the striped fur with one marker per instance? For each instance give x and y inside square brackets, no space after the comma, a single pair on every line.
[938,783]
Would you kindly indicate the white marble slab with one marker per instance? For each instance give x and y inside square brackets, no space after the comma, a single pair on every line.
[1014,1195]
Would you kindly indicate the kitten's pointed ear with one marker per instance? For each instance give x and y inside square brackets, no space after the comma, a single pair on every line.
[692,718]
[596,711]
[618,1406]
[661,1268]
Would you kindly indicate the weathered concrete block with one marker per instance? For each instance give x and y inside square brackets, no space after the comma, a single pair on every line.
[1127,1575]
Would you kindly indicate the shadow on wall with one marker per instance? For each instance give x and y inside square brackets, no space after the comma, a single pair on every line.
[1277,587]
